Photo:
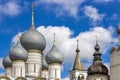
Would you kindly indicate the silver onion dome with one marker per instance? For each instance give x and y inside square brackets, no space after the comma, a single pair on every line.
[32,39]
[54,56]
[18,52]
[7,62]
[44,64]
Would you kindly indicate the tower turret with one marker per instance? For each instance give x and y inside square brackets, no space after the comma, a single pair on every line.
[54,59]
[18,55]
[78,71]
[97,68]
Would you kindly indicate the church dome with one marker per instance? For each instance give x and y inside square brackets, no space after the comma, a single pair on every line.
[97,68]
[54,56]
[44,64]
[18,53]
[33,40]
[7,62]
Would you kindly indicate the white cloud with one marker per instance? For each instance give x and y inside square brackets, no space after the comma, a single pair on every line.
[92,13]
[101,1]
[11,8]
[67,44]
[63,6]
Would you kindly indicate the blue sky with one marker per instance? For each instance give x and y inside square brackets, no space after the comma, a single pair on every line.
[71,19]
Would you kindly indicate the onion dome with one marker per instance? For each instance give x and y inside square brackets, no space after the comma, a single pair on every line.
[44,64]
[7,62]
[118,30]
[77,63]
[54,56]
[32,39]
[18,52]
[97,67]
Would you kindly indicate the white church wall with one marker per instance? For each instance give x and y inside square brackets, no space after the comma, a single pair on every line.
[54,71]
[33,64]
[18,68]
[115,65]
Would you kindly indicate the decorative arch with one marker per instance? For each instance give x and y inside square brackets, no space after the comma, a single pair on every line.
[81,77]
[4,77]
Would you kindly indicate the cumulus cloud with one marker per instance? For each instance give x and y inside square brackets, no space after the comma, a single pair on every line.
[92,13]
[10,8]
[13,7]
[67,44]
[63,6]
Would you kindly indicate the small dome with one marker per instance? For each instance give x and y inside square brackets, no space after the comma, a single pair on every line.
[54,56]
[33,40]
[97,68]
[7,62]
[18,53]
[118,30]
[44,64]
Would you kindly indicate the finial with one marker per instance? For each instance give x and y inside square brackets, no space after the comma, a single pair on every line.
[18,36]
[54,41]
[32,13]
[77,50]
[96,39]
[97,47]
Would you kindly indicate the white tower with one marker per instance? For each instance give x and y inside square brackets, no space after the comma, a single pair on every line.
[78,73]
[8,66]
[114,60]
[54,59]
[34,42]
[18,55]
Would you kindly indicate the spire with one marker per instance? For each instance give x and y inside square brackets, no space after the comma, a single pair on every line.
[97,54]
[32,13]
[77,63]
[96,39]
[54,41]
[32,26]
[97,47]
[77,50]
